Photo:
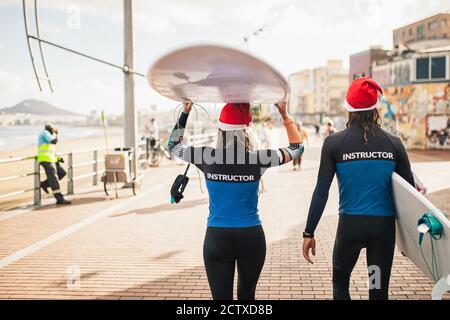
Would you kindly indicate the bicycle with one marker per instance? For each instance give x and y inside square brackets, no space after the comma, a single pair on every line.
[155,151]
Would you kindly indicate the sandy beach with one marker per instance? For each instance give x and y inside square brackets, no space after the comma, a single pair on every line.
[115,138]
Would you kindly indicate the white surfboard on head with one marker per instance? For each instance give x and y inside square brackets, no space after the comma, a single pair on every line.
[216,74]
[411,206]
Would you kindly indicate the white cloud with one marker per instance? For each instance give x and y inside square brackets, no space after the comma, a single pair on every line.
[93,86]
[11,84]
[156,25]
[46,28]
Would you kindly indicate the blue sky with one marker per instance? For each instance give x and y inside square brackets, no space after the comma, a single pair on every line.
[300,34]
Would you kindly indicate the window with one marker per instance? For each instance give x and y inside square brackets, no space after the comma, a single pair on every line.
[438,68]
[431,70]
[422,68]
[433,25]
[420,32]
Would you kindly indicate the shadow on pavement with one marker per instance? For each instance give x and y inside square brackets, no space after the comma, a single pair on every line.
[286,275]
[84,276]
[184,204]
[75,202]
[167,255]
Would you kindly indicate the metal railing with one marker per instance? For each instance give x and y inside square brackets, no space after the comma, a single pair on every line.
[35,173]
[94,173]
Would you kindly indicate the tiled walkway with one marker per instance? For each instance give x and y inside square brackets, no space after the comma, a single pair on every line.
[146,248]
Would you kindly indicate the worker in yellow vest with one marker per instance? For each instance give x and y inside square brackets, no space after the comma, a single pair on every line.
[48,160]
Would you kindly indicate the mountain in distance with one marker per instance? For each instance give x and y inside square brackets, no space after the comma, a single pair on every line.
[37,107]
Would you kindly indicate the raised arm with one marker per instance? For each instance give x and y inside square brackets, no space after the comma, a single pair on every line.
[295,148]
[272,158]
[49,137]
[175,144]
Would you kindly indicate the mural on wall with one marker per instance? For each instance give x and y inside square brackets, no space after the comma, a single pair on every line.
[418,113]
[438,130]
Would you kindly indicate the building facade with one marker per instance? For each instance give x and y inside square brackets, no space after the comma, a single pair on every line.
[416,104]
[361,62]
[429,32]
[321,90]
[415,76]
[301,91]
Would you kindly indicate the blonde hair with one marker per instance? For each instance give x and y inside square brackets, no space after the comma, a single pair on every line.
[228,138]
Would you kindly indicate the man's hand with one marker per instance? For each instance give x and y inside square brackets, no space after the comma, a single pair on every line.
[309,244]
[187,105]
[282,109]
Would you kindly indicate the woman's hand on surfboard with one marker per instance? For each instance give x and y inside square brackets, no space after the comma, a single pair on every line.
[187,105]
[282,109]
[309,244]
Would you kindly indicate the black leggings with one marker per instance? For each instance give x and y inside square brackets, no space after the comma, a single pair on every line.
[223,247]
[377,235]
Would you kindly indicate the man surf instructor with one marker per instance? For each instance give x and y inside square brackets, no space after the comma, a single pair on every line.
[363,157]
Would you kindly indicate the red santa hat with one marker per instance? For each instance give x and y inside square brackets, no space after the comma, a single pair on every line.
[235,116]
[362,95]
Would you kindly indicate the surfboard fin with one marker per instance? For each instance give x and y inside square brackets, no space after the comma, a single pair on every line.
[431,225]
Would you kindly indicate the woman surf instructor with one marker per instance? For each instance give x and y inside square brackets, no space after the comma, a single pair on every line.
[363,156]
[232,170]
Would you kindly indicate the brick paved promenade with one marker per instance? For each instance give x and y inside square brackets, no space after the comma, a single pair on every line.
[145,248]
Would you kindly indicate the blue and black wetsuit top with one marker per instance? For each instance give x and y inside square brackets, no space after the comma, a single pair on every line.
[232,176]
[363,171]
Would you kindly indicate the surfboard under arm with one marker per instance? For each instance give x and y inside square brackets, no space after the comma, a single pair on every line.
[411,206]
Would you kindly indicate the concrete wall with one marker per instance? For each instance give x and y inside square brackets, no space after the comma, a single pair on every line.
[394,73]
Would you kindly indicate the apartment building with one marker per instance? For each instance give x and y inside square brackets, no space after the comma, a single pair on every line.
[430,32]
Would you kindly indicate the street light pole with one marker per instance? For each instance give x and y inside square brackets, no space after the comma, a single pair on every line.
[130,132]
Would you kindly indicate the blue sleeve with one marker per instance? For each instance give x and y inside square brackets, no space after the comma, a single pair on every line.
[318,202]
[47,137]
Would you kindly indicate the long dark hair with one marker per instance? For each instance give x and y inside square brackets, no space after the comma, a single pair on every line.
[367,119]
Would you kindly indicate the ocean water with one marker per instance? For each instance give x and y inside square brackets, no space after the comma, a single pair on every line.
[16,137]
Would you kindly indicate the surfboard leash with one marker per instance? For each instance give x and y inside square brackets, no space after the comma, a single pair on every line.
[435,231]
[178,110]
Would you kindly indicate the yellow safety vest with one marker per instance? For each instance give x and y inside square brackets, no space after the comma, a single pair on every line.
[47,153]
